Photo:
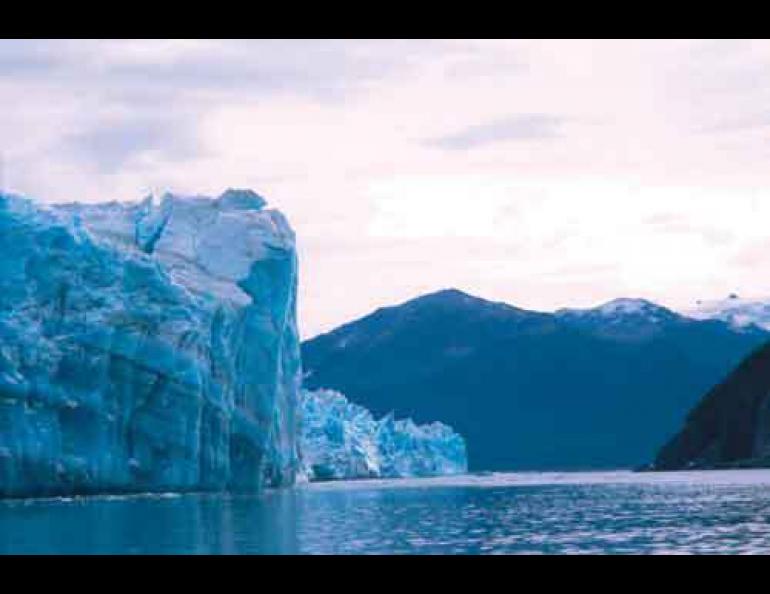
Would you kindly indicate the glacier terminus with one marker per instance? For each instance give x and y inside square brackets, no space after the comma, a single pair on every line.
[147,346]
[342,440]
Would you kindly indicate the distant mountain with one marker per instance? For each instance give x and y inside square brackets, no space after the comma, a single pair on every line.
[592,388]
[738,312]
[730,427]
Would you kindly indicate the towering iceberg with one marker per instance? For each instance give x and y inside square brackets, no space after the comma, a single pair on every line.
[147,346]
[339,439]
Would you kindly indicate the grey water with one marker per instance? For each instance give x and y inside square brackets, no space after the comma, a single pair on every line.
[535,513]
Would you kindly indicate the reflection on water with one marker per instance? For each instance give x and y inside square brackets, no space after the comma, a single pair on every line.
[502,513]
[150,524]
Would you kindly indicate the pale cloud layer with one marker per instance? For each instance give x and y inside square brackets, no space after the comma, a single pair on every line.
[542,173]
[530,126]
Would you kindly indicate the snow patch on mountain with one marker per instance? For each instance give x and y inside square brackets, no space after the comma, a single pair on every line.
[740,313]
[620,309]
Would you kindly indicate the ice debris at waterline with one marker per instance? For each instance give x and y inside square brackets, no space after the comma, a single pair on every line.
[147,346]
[339,439]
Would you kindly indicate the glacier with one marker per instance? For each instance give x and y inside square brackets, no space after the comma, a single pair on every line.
[147,346]
[342,440]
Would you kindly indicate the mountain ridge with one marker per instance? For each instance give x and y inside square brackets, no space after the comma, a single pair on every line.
[729,426]
[504,376]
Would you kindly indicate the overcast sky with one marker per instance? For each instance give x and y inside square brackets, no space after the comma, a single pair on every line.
[541,173]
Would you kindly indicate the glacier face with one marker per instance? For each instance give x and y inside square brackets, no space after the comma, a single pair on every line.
[339,440]
[147,346]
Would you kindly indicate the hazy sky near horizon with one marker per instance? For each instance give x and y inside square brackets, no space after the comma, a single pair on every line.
[541,173]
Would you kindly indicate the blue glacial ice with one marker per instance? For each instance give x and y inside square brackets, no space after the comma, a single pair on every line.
[340,439]
[148,346]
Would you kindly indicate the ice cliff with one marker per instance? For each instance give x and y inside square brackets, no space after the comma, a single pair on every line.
[147,346]
[339,439]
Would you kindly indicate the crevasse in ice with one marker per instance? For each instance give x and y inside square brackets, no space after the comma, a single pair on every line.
[147,346]
[340,439]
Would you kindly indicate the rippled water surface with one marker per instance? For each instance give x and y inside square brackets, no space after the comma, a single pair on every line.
[617,512]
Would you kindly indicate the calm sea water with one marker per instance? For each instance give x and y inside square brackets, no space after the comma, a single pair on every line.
[615,512]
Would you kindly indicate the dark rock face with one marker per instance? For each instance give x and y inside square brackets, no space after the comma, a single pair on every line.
[597,388]
[730,427]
